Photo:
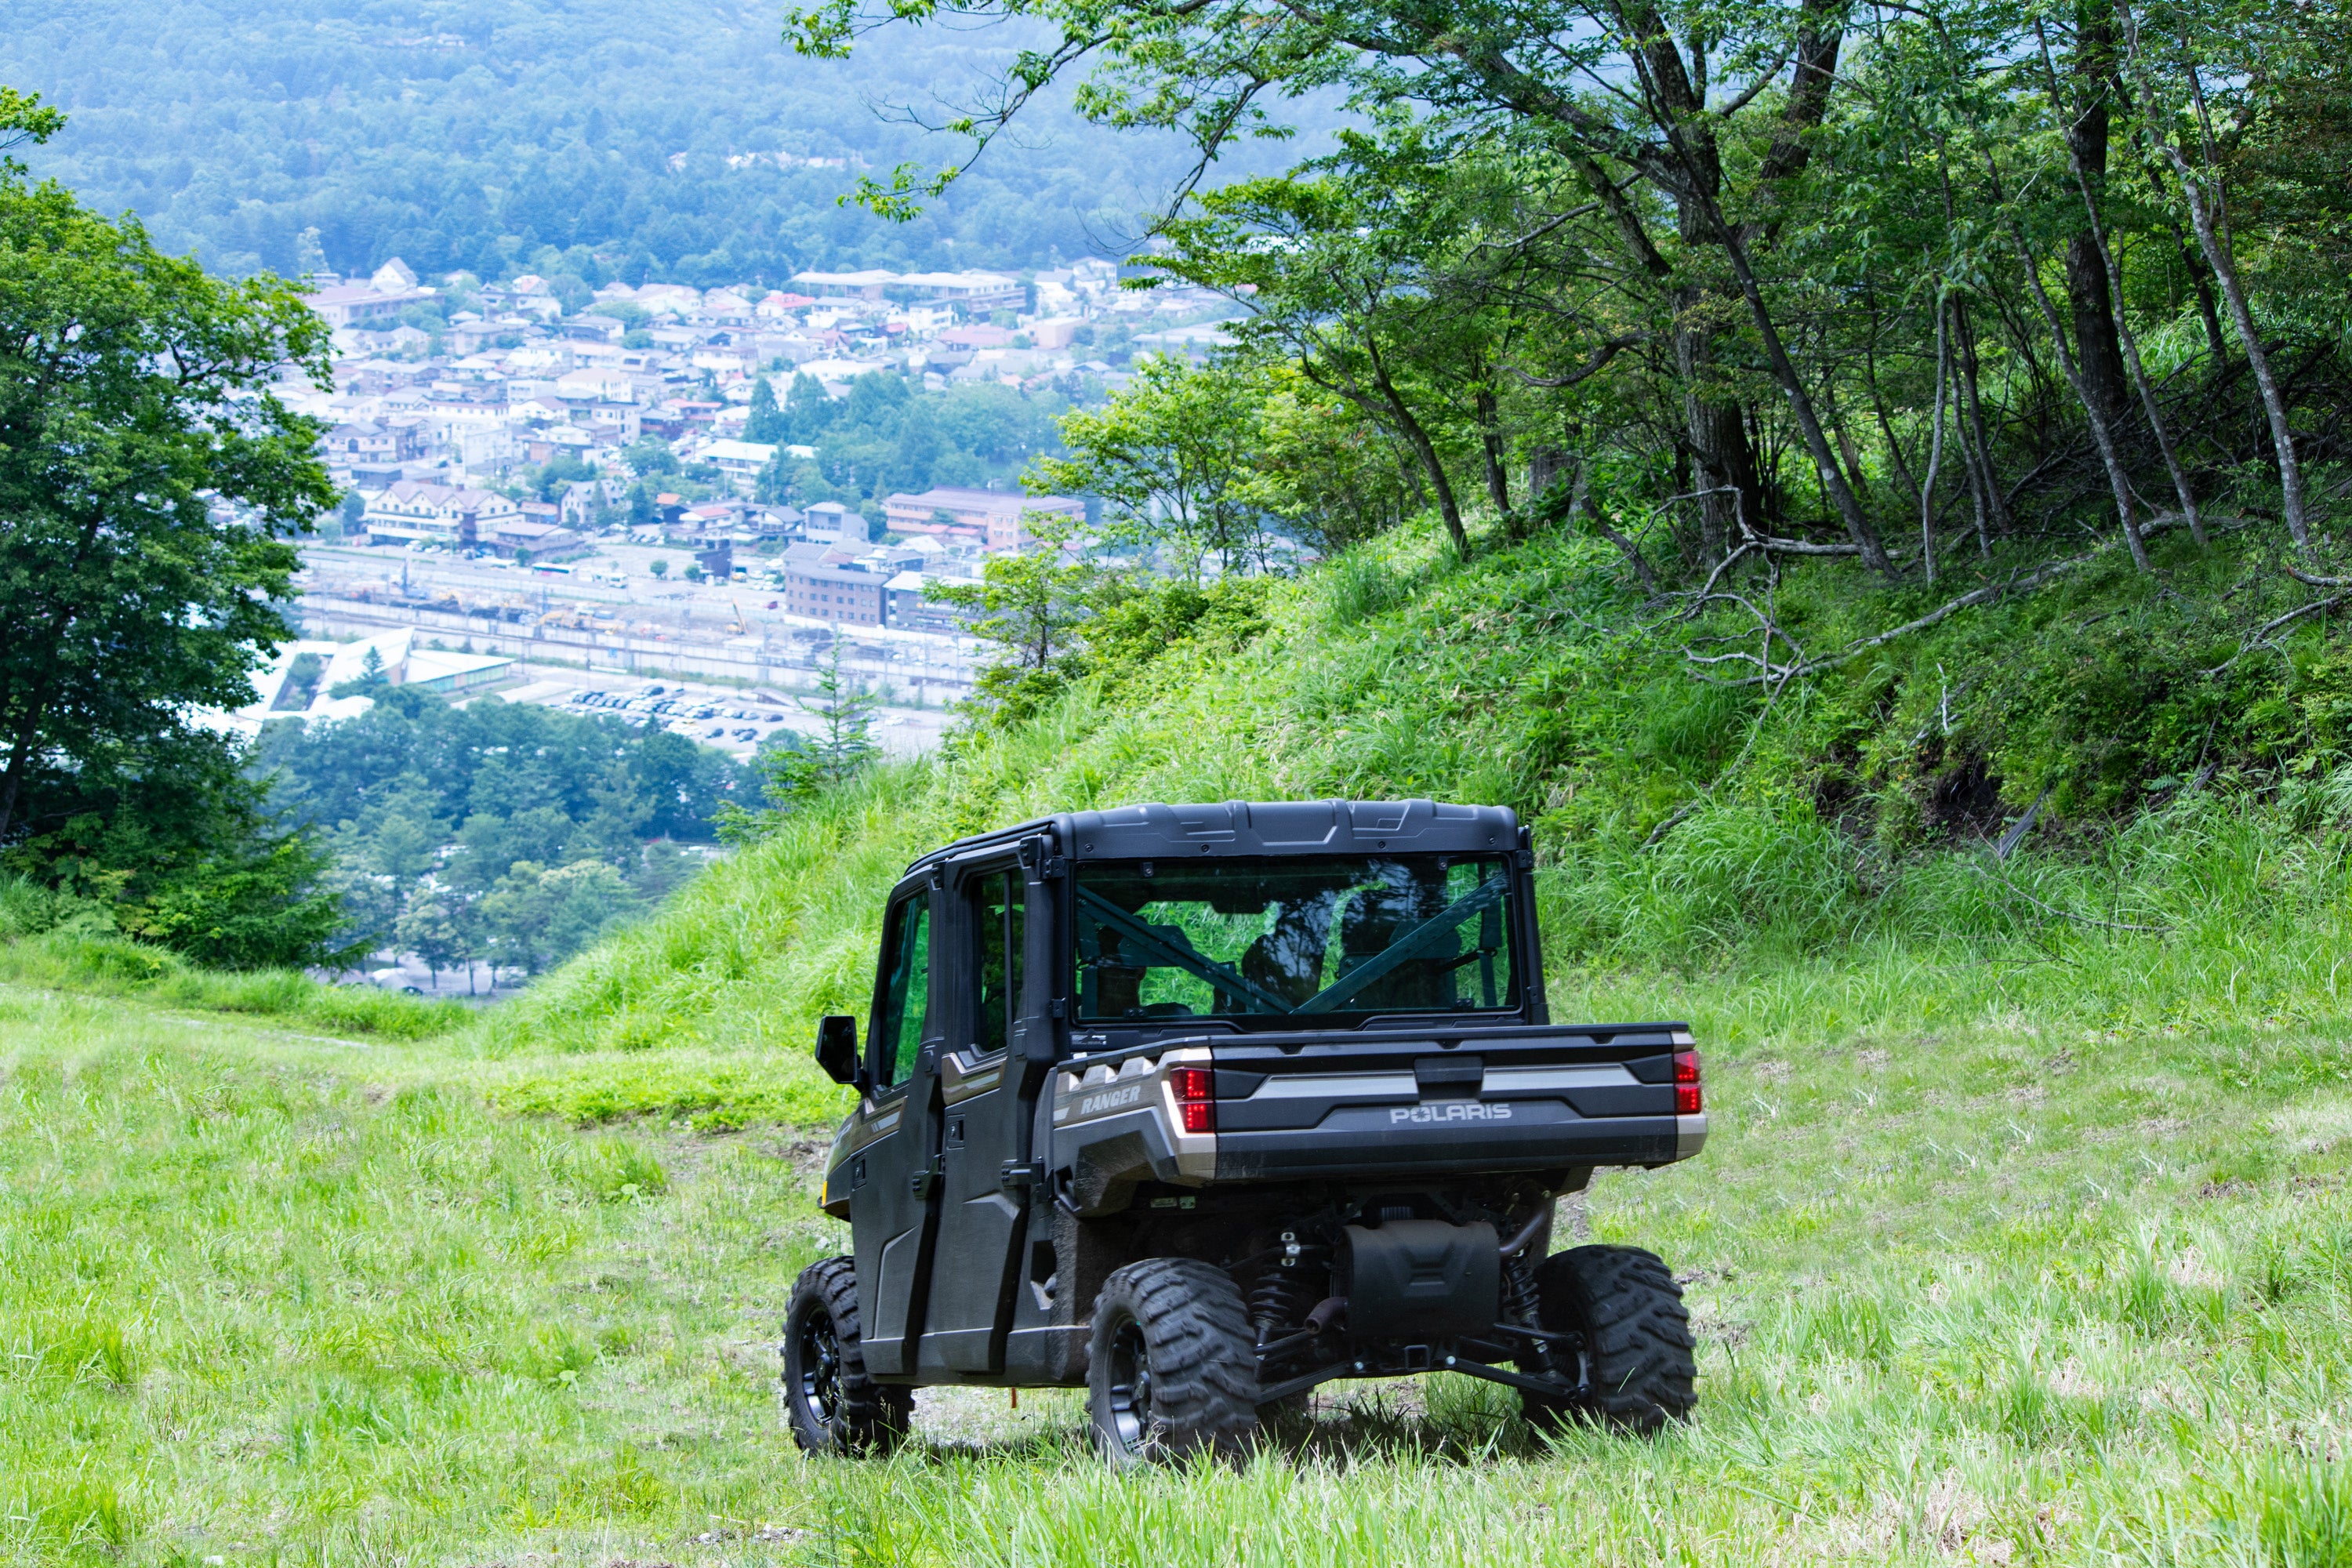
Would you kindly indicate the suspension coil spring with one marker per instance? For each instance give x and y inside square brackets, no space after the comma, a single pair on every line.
[1521,1304]
[1288,1287]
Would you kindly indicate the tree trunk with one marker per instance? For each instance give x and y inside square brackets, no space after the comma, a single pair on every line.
[2200,277]
[1996,511]
[2203,207]
[1878,409]
[12,784]
[1448,508]
[2117,479]
[1968,455]
[1544,465]
[1845,443]
[2097,233]
[2181,489]
[21,750]
[1817,444]
[2098,354]
[1579,498]
[1975,455]
[1935,445]
[1490,443]
[1730,495]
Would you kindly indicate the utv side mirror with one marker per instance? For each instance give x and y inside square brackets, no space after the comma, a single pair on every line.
[836,1048]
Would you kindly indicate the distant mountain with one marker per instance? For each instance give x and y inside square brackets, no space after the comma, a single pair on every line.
[673,139]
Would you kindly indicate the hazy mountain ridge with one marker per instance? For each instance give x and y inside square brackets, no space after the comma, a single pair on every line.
[460,135]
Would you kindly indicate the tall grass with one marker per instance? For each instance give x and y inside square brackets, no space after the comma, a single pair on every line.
[2023,1288]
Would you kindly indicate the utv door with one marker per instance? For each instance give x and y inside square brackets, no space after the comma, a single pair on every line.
[984,1113]
[894,1189]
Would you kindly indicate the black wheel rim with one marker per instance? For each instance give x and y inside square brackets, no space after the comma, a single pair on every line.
[819,1359]
[1130,1393]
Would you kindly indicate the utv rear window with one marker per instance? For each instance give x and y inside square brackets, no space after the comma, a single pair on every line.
[1328,937]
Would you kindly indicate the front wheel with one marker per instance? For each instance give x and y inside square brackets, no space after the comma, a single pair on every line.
[830,1402]
[1637,1341]
[1172,1363]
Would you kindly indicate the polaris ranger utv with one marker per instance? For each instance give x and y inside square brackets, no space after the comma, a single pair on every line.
[1200,1107]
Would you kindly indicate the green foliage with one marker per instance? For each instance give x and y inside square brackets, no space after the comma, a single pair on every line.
[1788,291]
[766,424]
[52,940]
[414,753]
[551,478]
[24,119]
[795,769]
[708,1096]
[1173,455]
[887,435]
[149,484]
[651,455]
[549,815]
[537,916]
[1032,604]
[183,849]
[433,925]
[1216,618]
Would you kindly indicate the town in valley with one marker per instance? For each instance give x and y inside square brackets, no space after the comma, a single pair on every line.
[565,501]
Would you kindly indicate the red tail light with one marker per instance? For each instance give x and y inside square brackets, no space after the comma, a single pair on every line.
[1686,1099]
[1196,1098]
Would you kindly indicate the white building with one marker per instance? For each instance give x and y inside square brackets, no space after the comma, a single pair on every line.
[974,292]
[738,460]
[442,514]
[867,285]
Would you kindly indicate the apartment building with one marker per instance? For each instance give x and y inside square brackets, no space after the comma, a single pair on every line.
[995,518]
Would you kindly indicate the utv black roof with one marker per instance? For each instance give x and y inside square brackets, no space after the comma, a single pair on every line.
[1257,827]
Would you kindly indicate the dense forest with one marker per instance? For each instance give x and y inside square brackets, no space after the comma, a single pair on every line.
[673,138]
[503,833]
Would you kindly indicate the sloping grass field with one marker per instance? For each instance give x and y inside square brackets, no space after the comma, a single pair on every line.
[2010,1291]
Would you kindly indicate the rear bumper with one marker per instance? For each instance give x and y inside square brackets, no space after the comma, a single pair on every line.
[1690,1136]
[1485,1138]
[1479,1098]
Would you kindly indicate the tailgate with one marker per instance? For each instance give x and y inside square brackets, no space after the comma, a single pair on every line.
[1439,1101]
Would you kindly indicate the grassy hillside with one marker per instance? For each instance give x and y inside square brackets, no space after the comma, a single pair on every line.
[1816,863]
[2023,1234]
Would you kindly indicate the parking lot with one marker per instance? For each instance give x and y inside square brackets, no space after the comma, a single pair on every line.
[734,720]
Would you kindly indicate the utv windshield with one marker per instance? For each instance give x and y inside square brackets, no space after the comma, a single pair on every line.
[1305,938]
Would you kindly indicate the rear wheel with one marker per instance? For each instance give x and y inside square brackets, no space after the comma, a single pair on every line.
[1637,1341]
[1172,1364]
[833,1406]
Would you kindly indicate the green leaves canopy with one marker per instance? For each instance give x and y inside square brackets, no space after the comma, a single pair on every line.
[149,480]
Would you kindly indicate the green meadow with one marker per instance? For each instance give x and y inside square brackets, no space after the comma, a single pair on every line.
[2022,1287]
[2022,1235]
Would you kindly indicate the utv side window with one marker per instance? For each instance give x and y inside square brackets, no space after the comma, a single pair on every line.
[906,992]
[998,912]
